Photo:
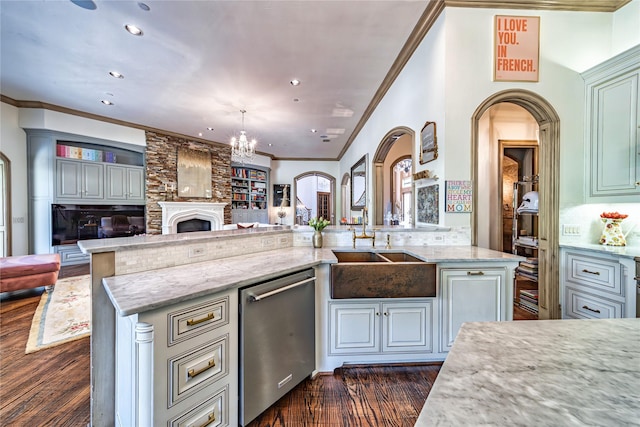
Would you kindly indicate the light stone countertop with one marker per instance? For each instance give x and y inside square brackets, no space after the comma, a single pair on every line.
[139,292]
[542,373]
[622,251]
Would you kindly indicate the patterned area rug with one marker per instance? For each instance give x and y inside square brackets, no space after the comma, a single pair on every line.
[63,315]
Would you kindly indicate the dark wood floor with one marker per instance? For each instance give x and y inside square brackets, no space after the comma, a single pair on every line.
[51,387]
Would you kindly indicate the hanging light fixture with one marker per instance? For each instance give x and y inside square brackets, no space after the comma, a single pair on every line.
[403,166]
[242,150]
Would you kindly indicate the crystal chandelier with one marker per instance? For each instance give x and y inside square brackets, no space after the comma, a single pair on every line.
[242,150]
[403,166]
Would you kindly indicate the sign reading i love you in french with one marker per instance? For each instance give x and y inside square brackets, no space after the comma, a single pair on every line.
[516,48]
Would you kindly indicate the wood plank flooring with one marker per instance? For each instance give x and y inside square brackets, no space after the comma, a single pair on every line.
[52,387]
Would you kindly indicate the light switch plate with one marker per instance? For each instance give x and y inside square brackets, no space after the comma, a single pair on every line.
[571,230]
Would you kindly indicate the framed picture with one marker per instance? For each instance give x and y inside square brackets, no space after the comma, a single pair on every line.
[428,204]
[281,195]
[194,173]
[428,143]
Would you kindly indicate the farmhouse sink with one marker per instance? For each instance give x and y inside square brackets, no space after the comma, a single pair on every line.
[368,274]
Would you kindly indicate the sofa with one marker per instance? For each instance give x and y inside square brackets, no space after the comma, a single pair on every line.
[121,226]
[29,271]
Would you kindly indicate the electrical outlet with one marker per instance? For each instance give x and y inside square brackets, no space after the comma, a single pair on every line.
[196,252]
[571,230]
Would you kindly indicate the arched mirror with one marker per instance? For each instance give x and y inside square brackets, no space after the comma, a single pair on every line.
[359,184]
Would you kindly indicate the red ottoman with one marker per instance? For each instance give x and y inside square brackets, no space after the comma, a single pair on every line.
[28,271]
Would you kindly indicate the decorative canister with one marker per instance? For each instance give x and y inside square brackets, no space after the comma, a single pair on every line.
[612,233]
[317,239]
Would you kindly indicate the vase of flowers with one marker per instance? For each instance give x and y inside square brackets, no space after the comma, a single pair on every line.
[318,224]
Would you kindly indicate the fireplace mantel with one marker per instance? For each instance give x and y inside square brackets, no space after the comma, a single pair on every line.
[176,212]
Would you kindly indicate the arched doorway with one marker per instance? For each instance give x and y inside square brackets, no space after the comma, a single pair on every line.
[314,196]
[345,196]
[381,174]
[549,172]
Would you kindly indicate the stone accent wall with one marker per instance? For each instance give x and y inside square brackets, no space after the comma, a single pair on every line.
[161,157]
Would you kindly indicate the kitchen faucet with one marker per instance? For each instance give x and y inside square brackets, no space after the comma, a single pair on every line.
[364,234]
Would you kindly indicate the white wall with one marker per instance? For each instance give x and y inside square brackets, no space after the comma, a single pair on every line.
[13,144]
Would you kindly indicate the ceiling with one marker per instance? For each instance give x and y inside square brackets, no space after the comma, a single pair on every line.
[198,63]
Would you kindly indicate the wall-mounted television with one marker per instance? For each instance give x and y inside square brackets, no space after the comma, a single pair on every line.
[71,223]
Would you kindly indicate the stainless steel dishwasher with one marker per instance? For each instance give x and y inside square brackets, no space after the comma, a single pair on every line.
[277,340]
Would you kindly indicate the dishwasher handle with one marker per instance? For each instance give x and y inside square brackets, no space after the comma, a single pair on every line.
[256,298]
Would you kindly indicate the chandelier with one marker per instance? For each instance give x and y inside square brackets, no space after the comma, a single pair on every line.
[403,166]
[242,150]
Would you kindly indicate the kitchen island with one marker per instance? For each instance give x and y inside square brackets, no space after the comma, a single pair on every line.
[543,373]
[154,276]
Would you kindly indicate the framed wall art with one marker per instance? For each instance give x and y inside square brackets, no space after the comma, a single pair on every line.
[428,204]
[281,197]
[194,173]
[428,143]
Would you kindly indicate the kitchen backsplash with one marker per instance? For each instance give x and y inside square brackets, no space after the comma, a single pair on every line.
[582,224]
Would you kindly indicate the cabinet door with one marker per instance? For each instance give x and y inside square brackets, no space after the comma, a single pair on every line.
[615,150]
[116,182]
[69,178]
[469,295]
[353,328]
[406,327]
[135,183]
[92,181]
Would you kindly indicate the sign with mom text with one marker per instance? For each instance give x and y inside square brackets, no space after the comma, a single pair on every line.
[516,48]
[458,196]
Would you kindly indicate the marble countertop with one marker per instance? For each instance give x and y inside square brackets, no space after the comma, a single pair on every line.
[622,251]
[139,292]
[542,372]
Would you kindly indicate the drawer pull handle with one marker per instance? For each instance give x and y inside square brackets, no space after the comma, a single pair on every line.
[192,322]
[193,373]
[597,273]
[586,307]
[211,419]
[475,273]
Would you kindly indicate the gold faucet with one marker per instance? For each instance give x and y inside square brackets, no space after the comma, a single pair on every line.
[364,234]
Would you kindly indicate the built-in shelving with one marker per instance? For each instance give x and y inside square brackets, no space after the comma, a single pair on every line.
[249,194]
[525,243]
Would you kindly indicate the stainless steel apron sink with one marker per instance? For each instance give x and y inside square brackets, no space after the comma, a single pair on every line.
[368,274]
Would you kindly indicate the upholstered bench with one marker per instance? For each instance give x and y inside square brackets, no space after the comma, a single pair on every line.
[29,271]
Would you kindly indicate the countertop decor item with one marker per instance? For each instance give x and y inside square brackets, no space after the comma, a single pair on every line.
[612,234]
[318,224]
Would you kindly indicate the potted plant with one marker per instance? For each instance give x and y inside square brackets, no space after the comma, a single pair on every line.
[318,224]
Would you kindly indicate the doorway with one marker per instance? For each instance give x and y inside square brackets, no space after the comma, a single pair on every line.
[5,206]
[398,143]
[314,194]
[548,124]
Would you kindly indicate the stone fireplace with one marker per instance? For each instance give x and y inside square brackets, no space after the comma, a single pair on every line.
[173,213]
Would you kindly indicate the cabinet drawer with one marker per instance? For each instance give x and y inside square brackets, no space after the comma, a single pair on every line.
[197,319]
[597,273]
[212,413]
[582,305]
[191,371]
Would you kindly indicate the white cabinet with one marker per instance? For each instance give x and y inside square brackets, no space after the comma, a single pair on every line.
[380,326]
[470,295]
[596,285]
[178,365]
[612,117]
[125,183]
[79,180]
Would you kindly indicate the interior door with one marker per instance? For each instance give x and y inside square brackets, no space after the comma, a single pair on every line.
[324,205]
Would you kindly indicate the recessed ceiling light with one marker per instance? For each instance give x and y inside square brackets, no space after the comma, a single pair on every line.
[210,128]
[144,6]
[199,133]
[133,30]
[116,74]
[295,82]
[296,100]
[270,144]
[106,102]
[314,130]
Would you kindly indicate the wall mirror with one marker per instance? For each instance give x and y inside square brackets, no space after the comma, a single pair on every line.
[359,184]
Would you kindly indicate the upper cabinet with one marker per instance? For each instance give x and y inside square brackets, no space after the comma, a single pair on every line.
[612,134]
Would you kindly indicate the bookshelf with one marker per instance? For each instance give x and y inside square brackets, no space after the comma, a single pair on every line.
[525,243]
[249,194]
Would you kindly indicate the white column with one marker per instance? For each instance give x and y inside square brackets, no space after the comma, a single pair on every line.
[144,369]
